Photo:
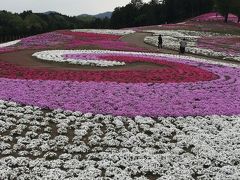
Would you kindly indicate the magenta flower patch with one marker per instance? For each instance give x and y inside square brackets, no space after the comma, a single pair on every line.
[71,40]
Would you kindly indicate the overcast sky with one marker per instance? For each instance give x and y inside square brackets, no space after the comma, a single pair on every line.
[68,7]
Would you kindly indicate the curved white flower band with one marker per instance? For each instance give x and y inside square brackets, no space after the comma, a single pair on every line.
[58,56]
[11,43]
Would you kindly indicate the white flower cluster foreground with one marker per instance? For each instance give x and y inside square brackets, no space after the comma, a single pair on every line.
[43,144]
[11,43]
[119,32]
[58,56]
[171,39]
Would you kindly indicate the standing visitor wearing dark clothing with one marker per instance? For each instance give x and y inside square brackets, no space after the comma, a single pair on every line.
[160,41]
[183,45]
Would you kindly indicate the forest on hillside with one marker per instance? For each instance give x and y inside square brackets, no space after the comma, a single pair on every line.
[14,25]
[138,13]
[156,12]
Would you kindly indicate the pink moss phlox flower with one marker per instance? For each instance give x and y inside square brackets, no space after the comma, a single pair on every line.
[220,96]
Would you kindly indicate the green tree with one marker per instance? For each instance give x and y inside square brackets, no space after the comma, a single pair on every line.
[124,16]
[235,8]
[224,8]
[137,3]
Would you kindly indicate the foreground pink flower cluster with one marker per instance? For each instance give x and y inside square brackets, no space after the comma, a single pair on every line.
[117,114]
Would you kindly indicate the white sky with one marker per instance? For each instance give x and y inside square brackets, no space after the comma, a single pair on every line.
[68,7]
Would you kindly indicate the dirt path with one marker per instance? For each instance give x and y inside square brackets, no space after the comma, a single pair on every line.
[138,39]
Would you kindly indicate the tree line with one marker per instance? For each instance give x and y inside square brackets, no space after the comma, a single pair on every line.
[27,23]
[137,13]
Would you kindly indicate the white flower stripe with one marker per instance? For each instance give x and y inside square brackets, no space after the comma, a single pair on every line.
[36,143]
[105,31]
[11,43]
[58,56]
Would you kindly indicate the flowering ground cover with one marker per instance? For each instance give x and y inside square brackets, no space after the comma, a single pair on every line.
[199,94]
[123,115]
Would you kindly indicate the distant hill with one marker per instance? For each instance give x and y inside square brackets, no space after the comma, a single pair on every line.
[103,15]
[50,12]
[87,17]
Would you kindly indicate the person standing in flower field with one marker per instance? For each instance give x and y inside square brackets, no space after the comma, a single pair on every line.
[160,41]
[183,44]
